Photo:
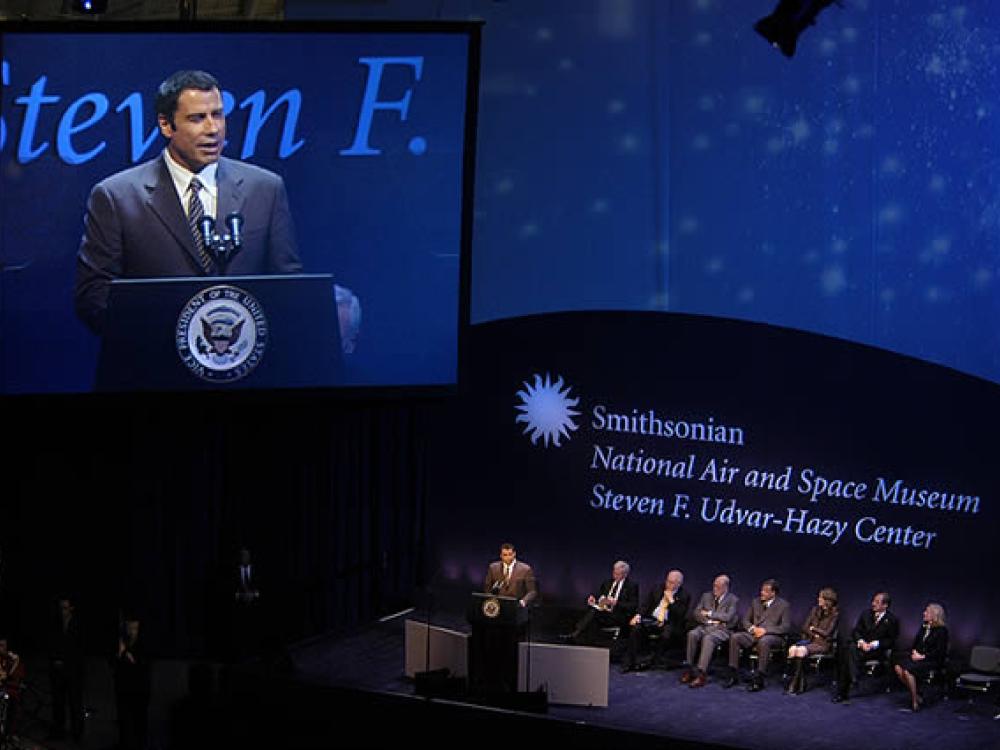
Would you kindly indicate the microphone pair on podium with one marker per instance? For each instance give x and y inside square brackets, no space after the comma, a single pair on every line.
[223,246]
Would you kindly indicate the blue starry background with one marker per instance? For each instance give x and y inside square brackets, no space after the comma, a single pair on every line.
[659,155]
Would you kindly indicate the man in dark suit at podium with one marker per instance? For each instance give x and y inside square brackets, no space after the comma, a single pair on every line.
[493,650]
[508,576]
[143,222]
[873,638]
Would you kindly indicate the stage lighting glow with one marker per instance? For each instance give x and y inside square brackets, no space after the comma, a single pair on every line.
[90,7]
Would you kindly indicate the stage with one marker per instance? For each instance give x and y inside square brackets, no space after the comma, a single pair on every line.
[649,708]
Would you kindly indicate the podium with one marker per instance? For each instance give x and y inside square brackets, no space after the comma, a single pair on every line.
[223,332]
[497,625]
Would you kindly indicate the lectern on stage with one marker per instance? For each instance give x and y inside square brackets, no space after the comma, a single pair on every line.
[497,624]
[220,332]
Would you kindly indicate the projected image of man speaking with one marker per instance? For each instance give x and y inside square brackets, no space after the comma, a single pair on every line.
[152,220]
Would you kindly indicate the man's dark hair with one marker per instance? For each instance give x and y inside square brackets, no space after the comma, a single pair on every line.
[506,545]
[771,584]
[169,91]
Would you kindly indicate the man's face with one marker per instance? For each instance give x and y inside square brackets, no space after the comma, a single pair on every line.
[766,593]
[66,608]
[132,629]
[618,572]
[878,604]
[507,556]
[198,130]
[719,586]
[673,582]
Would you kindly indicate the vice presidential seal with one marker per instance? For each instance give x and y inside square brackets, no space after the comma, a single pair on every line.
[491,608]
[221,334]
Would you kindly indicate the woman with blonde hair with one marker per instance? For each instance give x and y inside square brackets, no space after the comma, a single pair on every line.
[929,651]
[818,634]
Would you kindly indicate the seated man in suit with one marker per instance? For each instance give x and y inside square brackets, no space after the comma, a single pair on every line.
[664,615]
[764,626]
[616,603]
[715,616]
[873,637]
[508,576]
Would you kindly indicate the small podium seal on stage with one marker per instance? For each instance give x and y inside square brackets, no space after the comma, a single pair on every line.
[221,334]
[491,608]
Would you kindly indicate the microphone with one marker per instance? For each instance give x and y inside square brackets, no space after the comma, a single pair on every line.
[235,223]
[207,226]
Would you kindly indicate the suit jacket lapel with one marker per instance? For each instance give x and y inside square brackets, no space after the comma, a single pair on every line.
[231,199]
[166,206]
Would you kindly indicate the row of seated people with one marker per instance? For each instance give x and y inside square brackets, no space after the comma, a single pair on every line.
[666,619]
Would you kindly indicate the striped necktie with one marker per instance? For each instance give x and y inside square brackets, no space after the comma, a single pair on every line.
[196,212]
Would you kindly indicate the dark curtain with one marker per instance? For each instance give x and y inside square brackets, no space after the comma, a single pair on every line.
[142,504]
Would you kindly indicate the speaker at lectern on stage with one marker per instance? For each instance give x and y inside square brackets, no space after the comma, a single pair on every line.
[497,624]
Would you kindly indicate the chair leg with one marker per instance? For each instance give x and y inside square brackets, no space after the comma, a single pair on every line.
[799,679]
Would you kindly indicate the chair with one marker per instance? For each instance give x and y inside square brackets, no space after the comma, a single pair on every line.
[880,668]
[983,672]
[672,652]
[882,663]
[611,633]
[935,683]
[816,661]
[611,638]
[778,652]
[720,652]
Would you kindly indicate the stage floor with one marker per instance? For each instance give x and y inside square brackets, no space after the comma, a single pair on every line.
[655,703]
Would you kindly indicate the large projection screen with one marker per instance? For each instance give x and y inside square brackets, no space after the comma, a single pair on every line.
[370,127]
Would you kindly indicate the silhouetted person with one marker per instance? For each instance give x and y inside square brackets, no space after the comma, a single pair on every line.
[67,668]
[133,687]
[246,603]
[12,673]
